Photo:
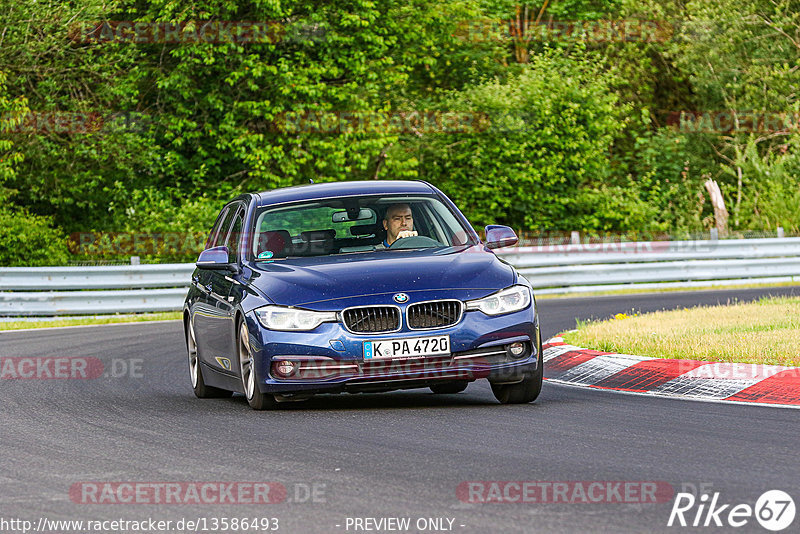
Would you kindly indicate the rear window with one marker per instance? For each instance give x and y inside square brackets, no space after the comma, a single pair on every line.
[309,218]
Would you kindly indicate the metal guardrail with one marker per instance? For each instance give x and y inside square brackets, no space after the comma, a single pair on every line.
[91,302]
[105,277]
[577,268]
[650,251]
[48,291]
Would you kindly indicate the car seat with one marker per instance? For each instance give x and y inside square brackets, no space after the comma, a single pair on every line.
[276,241]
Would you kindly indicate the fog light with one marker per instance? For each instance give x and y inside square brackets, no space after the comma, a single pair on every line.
[285,367]
[516,349]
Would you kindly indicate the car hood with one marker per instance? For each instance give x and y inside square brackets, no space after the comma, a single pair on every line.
[335,282]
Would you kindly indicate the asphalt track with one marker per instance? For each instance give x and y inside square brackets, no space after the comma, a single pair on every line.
[400,454]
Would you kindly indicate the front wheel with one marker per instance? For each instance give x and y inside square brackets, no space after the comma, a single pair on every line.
[522,392]
[201,390]
[256,399]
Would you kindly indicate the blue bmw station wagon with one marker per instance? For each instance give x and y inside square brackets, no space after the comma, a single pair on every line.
[357,287]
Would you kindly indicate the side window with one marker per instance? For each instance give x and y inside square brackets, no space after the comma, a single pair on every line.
[432,222]
[224,229]
[235,236]
[215,230]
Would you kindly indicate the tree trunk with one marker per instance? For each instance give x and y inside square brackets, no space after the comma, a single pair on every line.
[720,213]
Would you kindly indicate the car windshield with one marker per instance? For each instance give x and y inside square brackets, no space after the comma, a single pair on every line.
[355,224]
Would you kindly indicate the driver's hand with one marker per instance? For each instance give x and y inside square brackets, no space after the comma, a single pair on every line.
[406,233]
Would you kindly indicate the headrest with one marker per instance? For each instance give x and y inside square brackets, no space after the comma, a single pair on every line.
[275,241]
[318,235]
[366,229]
[315,243]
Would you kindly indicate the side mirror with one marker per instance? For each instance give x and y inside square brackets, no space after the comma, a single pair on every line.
[216,258]
[498,236]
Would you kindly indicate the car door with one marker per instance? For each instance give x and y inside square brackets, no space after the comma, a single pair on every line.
[222,282]
[207,311]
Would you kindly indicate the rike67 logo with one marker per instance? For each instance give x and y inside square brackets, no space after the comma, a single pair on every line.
[774,510]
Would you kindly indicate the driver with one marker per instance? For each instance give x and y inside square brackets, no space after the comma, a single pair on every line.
[398,223]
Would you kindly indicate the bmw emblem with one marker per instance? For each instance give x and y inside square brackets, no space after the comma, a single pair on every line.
[400,298]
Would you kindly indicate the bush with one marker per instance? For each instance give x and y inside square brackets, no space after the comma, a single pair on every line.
[770,192]
[668,170]
[157,225]
[30,240]
[549,133]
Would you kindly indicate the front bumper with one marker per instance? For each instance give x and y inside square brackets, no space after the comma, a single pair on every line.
[333,358]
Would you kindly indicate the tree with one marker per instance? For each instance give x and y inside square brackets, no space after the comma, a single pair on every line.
[540,156]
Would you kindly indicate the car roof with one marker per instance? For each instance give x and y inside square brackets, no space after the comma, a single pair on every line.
[342,189]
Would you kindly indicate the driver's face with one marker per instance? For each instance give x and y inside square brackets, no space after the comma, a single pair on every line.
[398,218]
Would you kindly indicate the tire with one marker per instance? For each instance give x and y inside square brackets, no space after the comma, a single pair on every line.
[256,399]
[522,392]
[201,390]
[450,387]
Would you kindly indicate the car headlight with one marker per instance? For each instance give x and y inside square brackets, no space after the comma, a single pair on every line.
[282,318]
[510,299]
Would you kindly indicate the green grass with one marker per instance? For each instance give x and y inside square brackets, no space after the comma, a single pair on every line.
[634,291]
[762,332]
[76,321]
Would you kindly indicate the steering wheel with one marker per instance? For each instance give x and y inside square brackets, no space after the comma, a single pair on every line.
[416,241]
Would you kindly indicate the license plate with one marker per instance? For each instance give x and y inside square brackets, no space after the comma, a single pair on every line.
[407,347]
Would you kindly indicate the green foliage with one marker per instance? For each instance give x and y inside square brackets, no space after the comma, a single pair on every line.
[222,107]
[743,56]
[12,112]
[576,140]
[670,169]
[545,155]
[74,149]
[156,225]
[30,240]
[770,188]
